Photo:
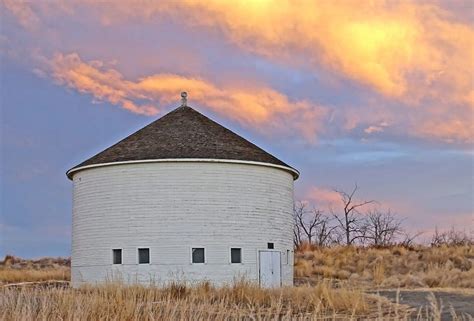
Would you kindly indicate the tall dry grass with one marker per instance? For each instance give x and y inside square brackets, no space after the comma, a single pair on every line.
[242,301]
[14,270]
[31,275]
[394,267]
[336,294]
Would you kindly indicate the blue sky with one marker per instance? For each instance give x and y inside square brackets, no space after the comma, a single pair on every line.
[77,78]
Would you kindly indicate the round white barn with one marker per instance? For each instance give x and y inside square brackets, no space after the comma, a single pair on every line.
[183,199]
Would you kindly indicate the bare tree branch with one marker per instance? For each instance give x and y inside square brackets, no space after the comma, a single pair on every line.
[311,225]
[382,228]
[350,221]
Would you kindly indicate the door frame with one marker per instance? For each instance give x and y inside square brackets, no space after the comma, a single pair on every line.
[258,264]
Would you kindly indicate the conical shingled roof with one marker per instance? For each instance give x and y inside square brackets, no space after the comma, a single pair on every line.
[183,133]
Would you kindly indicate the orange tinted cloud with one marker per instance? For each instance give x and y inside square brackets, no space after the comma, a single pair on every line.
[415,54]
[449,130]
[403,49]
[412,52]
[256,106]
[390,46]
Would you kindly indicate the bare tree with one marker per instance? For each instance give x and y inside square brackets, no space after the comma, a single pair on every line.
[306,221]
[324,232]
[311,225]
[298,208]
[381,228]
[451,237]
[438,238]
[350,221]
[296,236]
[408,238]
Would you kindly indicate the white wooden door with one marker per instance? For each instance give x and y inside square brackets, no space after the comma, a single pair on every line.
[270,269]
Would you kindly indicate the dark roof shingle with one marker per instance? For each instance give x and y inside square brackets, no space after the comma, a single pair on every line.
[182,133]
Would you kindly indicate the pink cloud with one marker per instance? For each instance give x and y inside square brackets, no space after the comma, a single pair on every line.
[322,197]
[258,106]
[416,56]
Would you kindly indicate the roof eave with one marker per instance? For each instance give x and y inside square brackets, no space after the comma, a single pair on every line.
[295,173]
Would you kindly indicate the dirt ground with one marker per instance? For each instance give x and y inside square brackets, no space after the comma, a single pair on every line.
[461,301]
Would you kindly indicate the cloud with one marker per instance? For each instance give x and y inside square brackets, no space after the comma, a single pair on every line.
[415,57]
[256,106]
[329,199]
[415,53]
[375,128]
[322,197]
[91,78]
[390,46]
[452,129]
[401,49]
[253,105]
[22,12]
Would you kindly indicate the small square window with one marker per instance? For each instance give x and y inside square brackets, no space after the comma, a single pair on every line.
[198,255]
[270,246]
[144,256]
[117,256]
[235,255]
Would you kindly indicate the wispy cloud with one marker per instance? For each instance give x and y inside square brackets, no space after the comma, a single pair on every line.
[414,60]
[22,12]
[322,197]
[390,46]
[254,106]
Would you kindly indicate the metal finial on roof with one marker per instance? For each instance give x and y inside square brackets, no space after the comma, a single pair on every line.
[184,99]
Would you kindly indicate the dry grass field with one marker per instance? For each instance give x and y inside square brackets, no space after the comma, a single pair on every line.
[14,270]
[203,302]
[392,267]
[339,283]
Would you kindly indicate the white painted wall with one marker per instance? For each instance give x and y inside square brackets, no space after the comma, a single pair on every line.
[173,206]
